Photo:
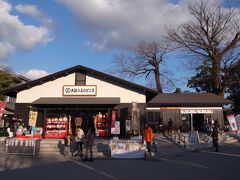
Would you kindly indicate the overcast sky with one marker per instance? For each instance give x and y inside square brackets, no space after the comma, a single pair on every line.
[42,37]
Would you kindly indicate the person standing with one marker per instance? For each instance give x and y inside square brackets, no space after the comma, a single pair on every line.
[89,143]
[214,135]
[148,136]
[79,141]
[170,127]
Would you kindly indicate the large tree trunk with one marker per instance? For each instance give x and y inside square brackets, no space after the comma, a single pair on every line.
[216,72]
[157,79]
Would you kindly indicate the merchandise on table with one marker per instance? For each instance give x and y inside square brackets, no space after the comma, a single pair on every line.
[22,146]
[133,148]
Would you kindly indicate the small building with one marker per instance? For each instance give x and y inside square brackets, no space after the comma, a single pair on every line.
[82,96]
[187,110]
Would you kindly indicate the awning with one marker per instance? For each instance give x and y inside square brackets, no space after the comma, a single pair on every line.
[82,100]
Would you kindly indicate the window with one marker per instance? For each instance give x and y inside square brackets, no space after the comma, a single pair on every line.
[80,79]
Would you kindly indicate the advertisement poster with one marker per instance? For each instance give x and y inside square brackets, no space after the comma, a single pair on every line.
[232,122]
[32,118]
[115,125]
[2,107]
[116,128]
[128,126]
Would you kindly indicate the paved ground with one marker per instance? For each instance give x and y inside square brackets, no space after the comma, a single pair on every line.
[204,164]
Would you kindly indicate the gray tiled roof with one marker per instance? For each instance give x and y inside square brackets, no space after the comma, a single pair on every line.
[188,99]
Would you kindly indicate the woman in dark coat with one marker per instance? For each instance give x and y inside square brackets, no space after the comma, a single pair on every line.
[215,135]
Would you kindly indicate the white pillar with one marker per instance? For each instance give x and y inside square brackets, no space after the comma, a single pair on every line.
[192,128]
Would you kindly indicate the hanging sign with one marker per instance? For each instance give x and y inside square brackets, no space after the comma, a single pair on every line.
[69,90]
[32,118]
[114,118]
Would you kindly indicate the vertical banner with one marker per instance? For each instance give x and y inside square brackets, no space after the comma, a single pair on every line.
[115,125]
[232,122]
[135,119]
[2,107]
[114,118]
[32,118]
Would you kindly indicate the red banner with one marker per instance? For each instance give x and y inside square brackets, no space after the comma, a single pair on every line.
[2,107]
[114,118]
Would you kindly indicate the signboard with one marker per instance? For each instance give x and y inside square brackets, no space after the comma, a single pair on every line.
[196,111]
[2,107]
[232,122]
[32,118]
[69,90]
[193,137]
[237,119]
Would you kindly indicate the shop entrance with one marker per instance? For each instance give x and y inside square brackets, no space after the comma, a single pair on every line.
[60,122]
[97,118]
[198,121]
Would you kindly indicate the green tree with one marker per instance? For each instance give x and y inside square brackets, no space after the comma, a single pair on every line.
[6,80]
[234,88]
[202,80]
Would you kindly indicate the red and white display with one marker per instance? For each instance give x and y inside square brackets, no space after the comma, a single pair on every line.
[56,127]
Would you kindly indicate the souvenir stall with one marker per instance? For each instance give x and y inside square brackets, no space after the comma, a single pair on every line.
[27,138]
[134,146]
[21,146]
[26,141]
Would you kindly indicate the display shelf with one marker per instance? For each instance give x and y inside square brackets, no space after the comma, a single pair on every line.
[56,128]
[101,121]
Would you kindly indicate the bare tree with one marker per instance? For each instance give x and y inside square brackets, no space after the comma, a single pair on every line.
[213,35]
[145,60]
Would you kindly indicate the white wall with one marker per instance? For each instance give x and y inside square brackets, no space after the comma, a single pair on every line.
[48,89]
[105,89]
[54,89]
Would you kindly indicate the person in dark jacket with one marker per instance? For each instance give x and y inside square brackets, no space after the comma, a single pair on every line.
[215,135]
[170,126]
[89,143]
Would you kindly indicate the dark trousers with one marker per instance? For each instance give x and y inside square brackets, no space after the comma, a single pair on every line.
[149,146]
[215,144]
[79,147]
[89,148]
